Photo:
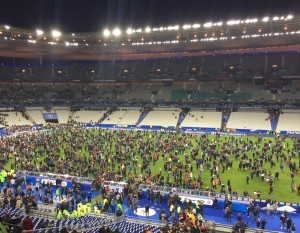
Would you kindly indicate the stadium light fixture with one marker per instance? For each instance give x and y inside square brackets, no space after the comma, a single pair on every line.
[39,32]
[208,25]
[275,18]
[147,29]
[218,24]
[129,31]
[116,32]
[265,19]
[175,27]
[254,20]
[56,33]
[106,33]
[7,27]
[186,26]
[233,22]
[289,17]
[196,25]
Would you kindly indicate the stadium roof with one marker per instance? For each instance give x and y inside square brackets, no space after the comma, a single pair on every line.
[269,33]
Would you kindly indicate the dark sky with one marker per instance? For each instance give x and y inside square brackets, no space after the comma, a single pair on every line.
[95,15]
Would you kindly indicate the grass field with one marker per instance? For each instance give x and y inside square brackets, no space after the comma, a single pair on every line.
[282,188]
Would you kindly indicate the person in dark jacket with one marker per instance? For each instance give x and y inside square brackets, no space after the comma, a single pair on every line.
[288,224]
[263,224]
[16,221]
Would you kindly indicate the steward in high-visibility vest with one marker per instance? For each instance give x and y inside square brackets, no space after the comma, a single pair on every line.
[172,208]
[197,206]
[74,214]
[57,192]
[193,211]
[59,214]
[178,209]
[65,212]
[200,218]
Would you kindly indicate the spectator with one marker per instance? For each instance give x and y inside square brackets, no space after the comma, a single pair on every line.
[27,224]
[263,224]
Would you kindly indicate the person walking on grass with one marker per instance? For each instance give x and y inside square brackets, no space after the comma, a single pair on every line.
[271,189]
[276,176]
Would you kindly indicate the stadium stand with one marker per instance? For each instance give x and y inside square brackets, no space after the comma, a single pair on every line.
[159,117]
[249,120]
[36,115]
[87,116]
[289,121]
[63,115]
[179,95]
[15,118]
[123,117]
[203,119]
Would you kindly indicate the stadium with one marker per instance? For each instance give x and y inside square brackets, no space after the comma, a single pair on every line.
[171,128]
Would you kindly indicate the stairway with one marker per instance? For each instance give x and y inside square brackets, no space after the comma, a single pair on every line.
[274,121]
[142,117]
[225,118]
[180,119]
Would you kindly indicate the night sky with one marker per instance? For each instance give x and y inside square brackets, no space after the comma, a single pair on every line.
[95,15]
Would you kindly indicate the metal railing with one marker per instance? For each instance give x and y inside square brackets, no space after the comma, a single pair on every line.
[46,175]
[209,194]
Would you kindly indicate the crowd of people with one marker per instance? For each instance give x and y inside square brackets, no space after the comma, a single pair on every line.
[160,158]
[154,158]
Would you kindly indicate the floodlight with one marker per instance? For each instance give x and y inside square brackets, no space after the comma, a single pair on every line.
[116,32]
[39,32]
[275,18]
[289,17]
[233,22]
[186,26]
[106,33]
[196,25]
[147,29]
[207,25]
[129,31]
[67,43]
[176,27]
[265,19]
[218,24]
[56,33]
[7,27]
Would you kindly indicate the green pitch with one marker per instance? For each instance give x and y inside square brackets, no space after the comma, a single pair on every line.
[110,143]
